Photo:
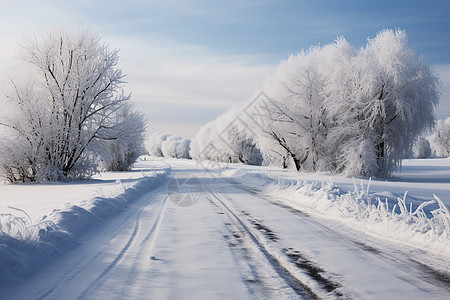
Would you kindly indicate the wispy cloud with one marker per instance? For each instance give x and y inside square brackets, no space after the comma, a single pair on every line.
[179,86]
[187,84]
[190,60]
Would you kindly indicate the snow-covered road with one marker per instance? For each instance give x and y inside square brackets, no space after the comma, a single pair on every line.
[209,237]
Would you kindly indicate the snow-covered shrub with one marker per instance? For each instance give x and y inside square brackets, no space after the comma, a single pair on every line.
[440,139]
[244,148]
[21,226]
[168,145]
[60,119]
[122,153]
[154,143]
[422,148]
[176,147]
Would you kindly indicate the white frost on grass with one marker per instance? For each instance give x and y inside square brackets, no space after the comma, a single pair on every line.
[24,244]
[21,227]
[426,227]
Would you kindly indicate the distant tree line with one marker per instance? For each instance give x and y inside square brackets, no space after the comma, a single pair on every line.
[69,117]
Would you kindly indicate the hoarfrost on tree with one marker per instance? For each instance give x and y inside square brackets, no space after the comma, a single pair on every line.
[335,108]
[422,148]
[62,116]
[440,139]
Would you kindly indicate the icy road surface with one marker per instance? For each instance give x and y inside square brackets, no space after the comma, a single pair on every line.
[208,237]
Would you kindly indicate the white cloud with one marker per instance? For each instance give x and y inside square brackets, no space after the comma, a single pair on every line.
[21,18]
[184,86]
[178,87]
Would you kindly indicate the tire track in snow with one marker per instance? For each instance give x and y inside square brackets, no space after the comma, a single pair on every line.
[152,235]
[421,271]
[426,269]
[283,272]
[66,279]
[125,249]
[79,267]
[247,264]
[154,231]
[114,262]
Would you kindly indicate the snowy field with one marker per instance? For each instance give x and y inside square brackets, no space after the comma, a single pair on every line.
[248,232]
[38,200]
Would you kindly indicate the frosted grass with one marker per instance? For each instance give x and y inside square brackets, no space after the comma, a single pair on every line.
[426,226]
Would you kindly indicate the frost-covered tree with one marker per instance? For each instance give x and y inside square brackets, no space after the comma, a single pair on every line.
[67,110]
[380,101]
[211,143]
[297,119]
[204,146]
[122,153]
[22,143]
[422,148]
[243,147]
[274,154]
[154,143]
[440,139]
[335,108]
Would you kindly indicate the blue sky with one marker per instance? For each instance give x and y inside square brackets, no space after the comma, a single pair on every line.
[189,61]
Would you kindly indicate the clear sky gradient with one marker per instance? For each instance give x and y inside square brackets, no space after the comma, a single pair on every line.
[189,60]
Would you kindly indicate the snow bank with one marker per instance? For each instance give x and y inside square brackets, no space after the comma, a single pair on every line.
[24,245]
[426,227]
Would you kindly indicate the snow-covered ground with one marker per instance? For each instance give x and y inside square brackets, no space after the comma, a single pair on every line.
[412,208]
[173,230]
[41,221]
[38,200]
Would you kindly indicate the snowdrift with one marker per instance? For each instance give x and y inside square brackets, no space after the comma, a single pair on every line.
[24,245]
[426,226]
